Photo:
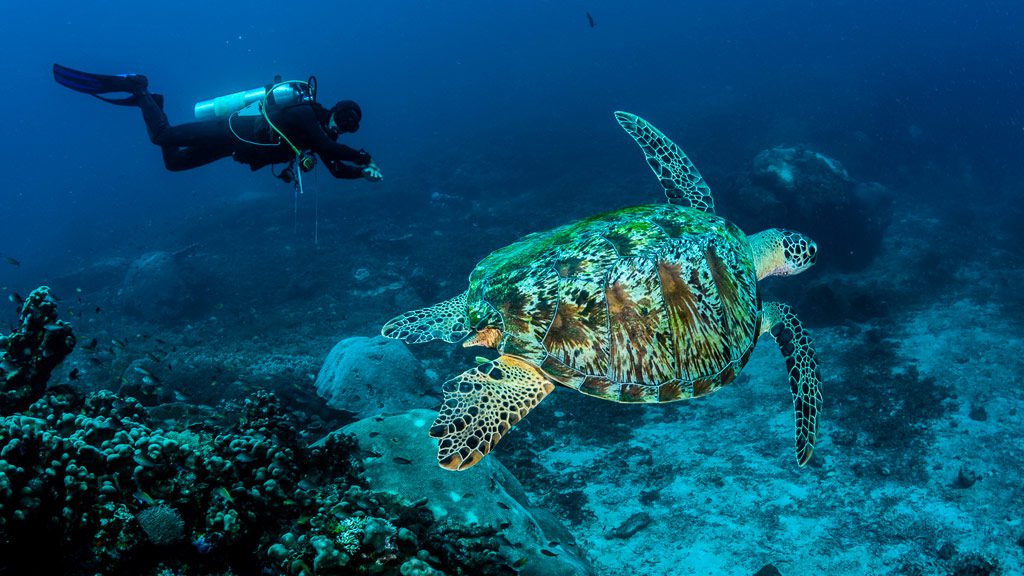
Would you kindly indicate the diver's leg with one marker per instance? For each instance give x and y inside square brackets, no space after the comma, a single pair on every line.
[184,146]
[178,158]
[154,115]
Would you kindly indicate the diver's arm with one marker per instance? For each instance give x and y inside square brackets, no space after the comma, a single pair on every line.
[340,169]
[304,121]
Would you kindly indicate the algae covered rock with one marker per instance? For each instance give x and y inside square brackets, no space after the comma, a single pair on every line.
[369,376]
[400,457]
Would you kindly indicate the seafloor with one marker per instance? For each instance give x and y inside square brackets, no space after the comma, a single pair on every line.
[917,469]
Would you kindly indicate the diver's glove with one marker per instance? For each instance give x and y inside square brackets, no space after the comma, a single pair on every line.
[373,173]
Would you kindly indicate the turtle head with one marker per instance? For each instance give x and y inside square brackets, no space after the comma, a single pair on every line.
[780,252]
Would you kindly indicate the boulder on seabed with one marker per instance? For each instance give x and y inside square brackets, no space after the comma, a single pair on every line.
[156,288]
[400,457]
[370,376]
[802,189]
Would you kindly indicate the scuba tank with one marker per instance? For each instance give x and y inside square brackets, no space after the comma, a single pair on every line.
[279,93]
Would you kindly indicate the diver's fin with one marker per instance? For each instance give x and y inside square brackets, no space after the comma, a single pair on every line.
[98,84]
[481,405]
[443,321]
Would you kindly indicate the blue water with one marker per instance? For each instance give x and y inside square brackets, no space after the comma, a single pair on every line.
[531,82]
[488,120]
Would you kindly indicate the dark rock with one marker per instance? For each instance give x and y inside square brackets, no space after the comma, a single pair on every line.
[946,552]
[965,478]
[768,570]
[978,412]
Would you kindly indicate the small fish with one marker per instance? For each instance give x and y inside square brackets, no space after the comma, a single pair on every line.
[12,261]
[52,327]
[154,357]
[142,460]
[590,19]
[503,506]
[119,343]
[96,361]
[143,498]
[223,493]
[547,552]
[98,309]
[504,525]
[73,375]
[91,345]
[16,299]
[400,460]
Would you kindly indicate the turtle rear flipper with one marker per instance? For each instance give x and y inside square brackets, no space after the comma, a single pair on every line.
[804,375]
[443,321]
[481,405]
[682,182]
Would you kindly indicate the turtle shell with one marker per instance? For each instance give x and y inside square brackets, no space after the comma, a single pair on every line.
[646,304]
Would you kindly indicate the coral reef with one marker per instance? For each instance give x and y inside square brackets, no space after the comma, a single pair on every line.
[369,376]
[242,493]
[30,353]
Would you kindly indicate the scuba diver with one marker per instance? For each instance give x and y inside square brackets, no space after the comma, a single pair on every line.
[278,123]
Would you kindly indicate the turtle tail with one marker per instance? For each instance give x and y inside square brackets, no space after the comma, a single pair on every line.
[443,321]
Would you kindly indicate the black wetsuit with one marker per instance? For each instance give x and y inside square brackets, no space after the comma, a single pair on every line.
[194,144]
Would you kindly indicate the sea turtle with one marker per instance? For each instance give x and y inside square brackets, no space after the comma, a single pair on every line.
[652,303]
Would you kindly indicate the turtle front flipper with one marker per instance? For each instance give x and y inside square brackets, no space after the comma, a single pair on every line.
[481,405]
[682,182]
[804,375]
[446,321]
